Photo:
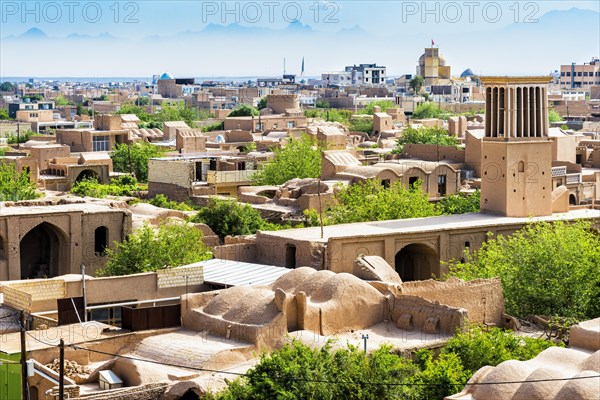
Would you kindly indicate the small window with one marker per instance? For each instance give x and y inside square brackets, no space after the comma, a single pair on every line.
[100,241]
[412,180]
[290,124]
[441,185]
[290,256]
[385,183]
[521,166]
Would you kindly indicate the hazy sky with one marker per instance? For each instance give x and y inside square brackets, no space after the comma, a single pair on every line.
[146,36]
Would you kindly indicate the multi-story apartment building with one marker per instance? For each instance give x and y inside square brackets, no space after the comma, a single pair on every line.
[362,74]
[582,76]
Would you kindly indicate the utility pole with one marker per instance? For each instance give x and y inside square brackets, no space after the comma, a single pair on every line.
[23,356]
[83,293]
[61,371]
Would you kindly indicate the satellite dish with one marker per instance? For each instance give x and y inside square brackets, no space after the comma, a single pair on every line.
[220,139]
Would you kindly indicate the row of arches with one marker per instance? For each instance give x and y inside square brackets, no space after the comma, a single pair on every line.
[44,251]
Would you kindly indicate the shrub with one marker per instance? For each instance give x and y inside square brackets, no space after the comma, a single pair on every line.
[149,249]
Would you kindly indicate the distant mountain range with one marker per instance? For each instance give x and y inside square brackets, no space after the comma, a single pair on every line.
[553,22]
[557,37]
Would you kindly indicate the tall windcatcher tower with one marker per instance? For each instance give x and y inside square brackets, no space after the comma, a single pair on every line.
[516,160]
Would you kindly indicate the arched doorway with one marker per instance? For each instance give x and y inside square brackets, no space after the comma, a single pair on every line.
[42,252]
[572,200]
[87,174]
[190,395]
[416,262]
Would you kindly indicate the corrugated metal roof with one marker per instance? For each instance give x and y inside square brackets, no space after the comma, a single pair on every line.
[237,273]
[109,377]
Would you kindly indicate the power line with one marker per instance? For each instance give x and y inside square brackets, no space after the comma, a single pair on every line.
[308,380]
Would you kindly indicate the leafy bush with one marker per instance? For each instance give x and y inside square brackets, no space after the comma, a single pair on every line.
[120,186]
[300,158]
[371,201]
[228,217]
[149,249]
[298,371]
[427,110]
[546,269]
[15,186]
[383,104]
[459,203]
[554,116]
[424,135]
[162,201]
[138,155]
[361,125]
[244,111]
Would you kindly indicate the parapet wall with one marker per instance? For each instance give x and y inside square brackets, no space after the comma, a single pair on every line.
[416,313]
[482,298]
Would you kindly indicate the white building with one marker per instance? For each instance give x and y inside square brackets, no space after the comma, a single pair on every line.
[363,74]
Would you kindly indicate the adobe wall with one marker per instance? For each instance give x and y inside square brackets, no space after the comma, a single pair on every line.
[482,298]
[44,154]
[75,231]
[172,178]
[432,152]
[416,313]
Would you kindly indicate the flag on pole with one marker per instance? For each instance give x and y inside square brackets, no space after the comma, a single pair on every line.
[302,73]
[432,43]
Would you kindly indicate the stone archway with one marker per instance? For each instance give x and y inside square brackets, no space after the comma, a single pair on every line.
[416,261]
[190,395]
[87,174]
[572,200]
[43,253]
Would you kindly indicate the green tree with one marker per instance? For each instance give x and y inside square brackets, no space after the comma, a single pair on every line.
[546,269]
[459,203]
[134,158]
[150,249]
[33,97]
[162,201]
[15,186]
[6,87]
[61,101]
[416,83]
[142,101]
[244,111]
[554,116]
[371,201]
[427,110]
[300,158]
[4,114]
[228,217]
[82,110]
[383,104]
[361,125]
[322,104]
[298,371]
[424,135]
[262,103]
[121,186]
[140,112]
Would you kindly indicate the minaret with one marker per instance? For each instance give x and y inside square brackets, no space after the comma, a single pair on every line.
[516,160]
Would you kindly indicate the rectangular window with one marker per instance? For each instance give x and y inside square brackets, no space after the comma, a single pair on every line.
[100,143]
[290,124]
[442,185]
[259,127]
